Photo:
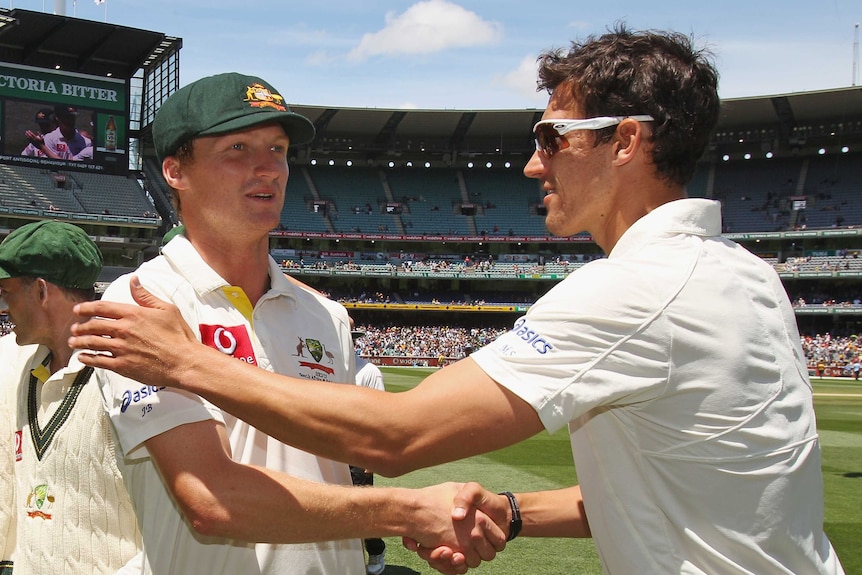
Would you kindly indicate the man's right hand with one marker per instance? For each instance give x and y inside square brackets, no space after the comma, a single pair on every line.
[35,138]
[146,342]
[478,537]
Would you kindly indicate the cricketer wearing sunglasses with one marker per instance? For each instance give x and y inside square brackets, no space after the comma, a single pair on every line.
[675,362]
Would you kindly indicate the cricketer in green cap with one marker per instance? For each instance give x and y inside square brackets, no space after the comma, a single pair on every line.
[221,104]
[58,252]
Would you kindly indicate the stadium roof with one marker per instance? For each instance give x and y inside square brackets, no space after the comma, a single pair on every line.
[72,44]
[804,108]
[784,121]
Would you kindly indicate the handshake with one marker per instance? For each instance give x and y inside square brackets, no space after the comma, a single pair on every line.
[478,526]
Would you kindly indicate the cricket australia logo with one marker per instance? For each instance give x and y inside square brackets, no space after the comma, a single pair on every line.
[258,96]
[315,348]
[39,503]
[318,353]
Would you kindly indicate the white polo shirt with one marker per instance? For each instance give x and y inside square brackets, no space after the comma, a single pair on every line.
[290,331]
[677,366]
[10,441]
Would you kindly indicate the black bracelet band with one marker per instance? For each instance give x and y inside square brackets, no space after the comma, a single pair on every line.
[515,523]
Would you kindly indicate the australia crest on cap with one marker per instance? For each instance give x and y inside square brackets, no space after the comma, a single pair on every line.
[259,96]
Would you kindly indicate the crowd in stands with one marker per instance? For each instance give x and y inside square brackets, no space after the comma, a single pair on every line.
[454,342]
[5,326]
[841,353]
[450,342]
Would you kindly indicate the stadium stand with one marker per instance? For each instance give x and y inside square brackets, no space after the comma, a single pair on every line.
[432,198]
[298,212]
[505,201]
[755,193]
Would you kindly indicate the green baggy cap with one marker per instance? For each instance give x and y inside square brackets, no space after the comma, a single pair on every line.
[58,252]
[221,104]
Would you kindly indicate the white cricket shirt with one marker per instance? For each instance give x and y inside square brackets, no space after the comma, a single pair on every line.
[290,331]
[676,364]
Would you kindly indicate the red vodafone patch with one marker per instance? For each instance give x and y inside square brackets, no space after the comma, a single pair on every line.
[233,341]
[19,445]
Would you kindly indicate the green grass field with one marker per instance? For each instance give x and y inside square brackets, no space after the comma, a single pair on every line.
[545,462]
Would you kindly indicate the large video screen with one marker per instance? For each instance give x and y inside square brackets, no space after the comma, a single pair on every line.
[63,120]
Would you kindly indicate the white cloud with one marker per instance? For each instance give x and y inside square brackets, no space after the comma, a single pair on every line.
[793,67]
[522,81]
[318,58]
[427,27]
[580,25]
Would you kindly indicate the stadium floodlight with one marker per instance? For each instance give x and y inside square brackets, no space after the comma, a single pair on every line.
[747,156]
[845,149]
[821,151]
[331,162]
[725,158]
[769,155]
[488,165]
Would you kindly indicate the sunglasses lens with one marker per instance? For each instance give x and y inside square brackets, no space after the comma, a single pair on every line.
[547,139]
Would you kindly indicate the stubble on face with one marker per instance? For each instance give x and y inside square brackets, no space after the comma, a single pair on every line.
[572,178]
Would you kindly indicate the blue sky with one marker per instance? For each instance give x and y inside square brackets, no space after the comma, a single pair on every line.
[475,54]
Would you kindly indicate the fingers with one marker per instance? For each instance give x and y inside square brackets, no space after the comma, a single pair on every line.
[96,334]
[443,559]
[471,495]
[104,309]
[97,360]
[487,532]
[116,310]
[143,297]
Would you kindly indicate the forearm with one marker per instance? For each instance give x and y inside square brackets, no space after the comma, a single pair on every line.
[388,433]
[284,509]
[263,506]
[558,513]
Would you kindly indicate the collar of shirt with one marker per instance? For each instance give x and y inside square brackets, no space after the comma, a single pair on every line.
[187,262]
[39,365]
[692,216]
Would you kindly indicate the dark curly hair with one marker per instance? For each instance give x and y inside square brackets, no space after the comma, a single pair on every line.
[658,73]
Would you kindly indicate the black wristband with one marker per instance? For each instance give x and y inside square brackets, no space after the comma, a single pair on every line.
[515,523]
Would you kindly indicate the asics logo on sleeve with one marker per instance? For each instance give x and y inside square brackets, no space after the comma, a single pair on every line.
[132,396]
[531,336]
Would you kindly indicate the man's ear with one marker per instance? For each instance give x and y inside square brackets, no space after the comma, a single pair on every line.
[42,286]
[628,140]
[172,171]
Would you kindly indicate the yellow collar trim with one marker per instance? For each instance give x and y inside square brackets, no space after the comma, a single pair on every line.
[240,301]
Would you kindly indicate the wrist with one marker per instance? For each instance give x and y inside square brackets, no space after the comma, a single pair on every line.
[515,518]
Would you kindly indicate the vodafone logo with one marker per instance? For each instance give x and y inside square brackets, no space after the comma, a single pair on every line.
[19,444]
[232,340]
[224,341]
